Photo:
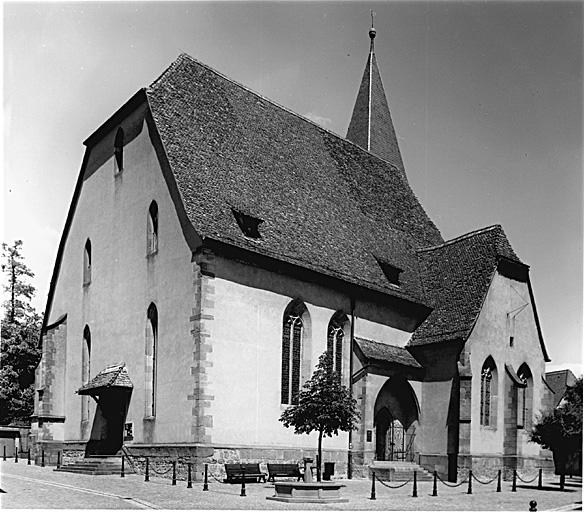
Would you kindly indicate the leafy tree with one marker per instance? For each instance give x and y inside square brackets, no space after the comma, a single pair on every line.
[19,352]
[560,430]
[324,406]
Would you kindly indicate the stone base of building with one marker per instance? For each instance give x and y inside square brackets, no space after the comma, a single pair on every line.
[161,457]
[487,465]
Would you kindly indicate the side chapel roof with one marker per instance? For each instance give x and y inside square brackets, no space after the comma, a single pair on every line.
[326,204]
[457,275]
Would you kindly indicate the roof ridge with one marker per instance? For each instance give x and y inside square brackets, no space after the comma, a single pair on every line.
[182,57]
[461,237]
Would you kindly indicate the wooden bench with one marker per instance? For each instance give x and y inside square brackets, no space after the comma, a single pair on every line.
[251,472]
[283,470]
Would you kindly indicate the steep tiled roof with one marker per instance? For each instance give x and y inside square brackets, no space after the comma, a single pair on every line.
[456,277]
[115,376]
[326,204]
[386,353]
[371,126]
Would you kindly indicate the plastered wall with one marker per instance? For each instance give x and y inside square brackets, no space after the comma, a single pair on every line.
[490,337]
[112,212]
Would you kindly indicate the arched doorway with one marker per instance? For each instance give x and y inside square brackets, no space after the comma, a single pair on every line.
[395,420]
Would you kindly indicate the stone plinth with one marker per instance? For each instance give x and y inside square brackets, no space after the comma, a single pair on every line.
[308,492]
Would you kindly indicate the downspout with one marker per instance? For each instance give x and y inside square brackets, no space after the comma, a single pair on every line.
[352,341]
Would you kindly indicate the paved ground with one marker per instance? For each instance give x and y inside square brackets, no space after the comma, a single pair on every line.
[35,487]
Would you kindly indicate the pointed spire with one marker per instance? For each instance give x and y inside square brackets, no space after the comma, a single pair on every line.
[371,126]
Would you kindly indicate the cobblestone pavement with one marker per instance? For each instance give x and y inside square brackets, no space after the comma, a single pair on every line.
[35,487]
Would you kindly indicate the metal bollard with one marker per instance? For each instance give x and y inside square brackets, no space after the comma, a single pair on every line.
[562,481]
[16,455]
[533,506]
[123,468]
[514,487]
[206,482]
[147,472]
[28,457]
[499,481]
[174,472]
[243,484]
[42,458]
[540,479]
[189,476]
[415,491]
[372,486]
[469,491]
[435,487]
[4,456]
[58,459]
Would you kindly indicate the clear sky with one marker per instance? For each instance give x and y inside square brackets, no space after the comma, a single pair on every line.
[486,99]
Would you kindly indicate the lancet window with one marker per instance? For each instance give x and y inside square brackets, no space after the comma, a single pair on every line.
[151,360]
[152,234]
[488,393]
[293,340]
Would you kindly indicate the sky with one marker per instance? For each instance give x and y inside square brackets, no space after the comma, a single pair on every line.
[486,99]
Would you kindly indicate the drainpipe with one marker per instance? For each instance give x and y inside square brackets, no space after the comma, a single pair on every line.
[350,453]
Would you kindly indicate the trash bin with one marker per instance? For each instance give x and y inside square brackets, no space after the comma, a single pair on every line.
[329,470]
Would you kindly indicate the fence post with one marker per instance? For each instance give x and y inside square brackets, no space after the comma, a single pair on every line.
[189,476]
[42,458]
[147,472]
[540,479]
[469,491]
[533,506]
[499,481]
[514,487]
[415,491]
[28,456]
[123,468]
[174,472]
[435,487]
[206,482]
[15,454]
[58,459]
[372,486]
[243,484]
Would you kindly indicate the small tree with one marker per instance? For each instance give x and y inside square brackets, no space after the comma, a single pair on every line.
[560,430]
[19,352]
[324,406]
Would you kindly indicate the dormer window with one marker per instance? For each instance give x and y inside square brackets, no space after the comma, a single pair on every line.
[249,225]
[119,151]
[391,271]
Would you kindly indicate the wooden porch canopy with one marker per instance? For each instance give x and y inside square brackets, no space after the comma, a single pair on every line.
[384,359]
[113,377]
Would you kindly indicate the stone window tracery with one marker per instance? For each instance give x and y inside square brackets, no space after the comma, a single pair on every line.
[293,341]
[488,393]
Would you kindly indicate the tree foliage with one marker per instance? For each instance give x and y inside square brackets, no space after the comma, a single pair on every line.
[19,352]
[324,406]
[560,430]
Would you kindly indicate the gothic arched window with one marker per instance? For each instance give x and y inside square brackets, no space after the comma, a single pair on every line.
[524,398]
[152,235]
[488,393]
[87,262]
[335,340]
[119,151]
[151,363]
[293,339]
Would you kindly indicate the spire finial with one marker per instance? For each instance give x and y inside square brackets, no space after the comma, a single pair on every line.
[372,31]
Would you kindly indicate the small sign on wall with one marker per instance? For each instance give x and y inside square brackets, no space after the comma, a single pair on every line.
[369,436]
[129,431]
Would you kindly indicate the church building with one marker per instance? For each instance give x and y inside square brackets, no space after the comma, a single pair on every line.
[217,244]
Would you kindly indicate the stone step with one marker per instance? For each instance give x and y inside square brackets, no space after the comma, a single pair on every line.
[399,471]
